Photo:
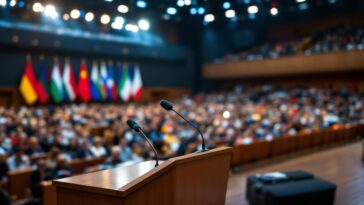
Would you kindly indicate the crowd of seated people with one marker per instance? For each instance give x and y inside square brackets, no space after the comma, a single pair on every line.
[343,38]
[242,115]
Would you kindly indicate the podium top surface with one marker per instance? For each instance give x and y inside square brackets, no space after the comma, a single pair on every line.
[121,180]
[112,178]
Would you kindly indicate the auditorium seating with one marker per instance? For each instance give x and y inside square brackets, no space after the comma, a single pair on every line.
[49,193]
[19,184]
[79,166]
[258,150]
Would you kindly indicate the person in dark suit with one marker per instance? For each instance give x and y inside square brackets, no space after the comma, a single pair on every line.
[4,197]
[3,166]
[42,173]
[62,169]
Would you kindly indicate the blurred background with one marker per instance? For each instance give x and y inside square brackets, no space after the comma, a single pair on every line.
[270,78]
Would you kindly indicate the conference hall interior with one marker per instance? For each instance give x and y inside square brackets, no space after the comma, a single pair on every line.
[182,102]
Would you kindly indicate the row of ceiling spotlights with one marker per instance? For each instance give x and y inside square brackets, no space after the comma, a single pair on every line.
[50,11]
[118,23]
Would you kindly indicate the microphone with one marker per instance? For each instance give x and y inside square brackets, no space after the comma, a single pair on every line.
[169,107]
[136,127]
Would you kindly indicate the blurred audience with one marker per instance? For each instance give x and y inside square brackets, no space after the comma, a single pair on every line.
[342,38]
[67,132]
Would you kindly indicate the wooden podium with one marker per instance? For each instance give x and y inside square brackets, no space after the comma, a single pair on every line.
[199,178]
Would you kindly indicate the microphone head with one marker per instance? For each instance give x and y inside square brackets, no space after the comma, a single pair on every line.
[166,105]
[133,125]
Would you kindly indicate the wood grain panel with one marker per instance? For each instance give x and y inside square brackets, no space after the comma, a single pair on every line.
[198,178]
[329,62]
[19,184]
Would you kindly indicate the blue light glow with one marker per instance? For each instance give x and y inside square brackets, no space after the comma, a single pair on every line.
[201,10]
[141,4]
[21,4]
[193,11]
[226,5]
[171,11]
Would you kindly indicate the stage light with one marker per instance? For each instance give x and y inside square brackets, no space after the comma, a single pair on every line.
[143,24]
[193,11]
[226,114]
[66,17]
[171,11]
[253,9]
[135,28]
[118,23]
[141,4]
[21,4]
[226,5]
[123,9]
[37,7]
[3,3]
[300,1]
[274,11]
[188,2]
[209,18]
[201,10]
[109,0]
[89,16]
[105,19]
[180,3]
[12,3]
[132,28]
[50,11]
[75,14]
[230,13]
[128,27]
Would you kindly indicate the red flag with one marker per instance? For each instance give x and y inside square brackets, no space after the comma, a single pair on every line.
[83,88]
[42,85]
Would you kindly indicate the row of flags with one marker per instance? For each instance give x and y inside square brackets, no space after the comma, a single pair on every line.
[104,83]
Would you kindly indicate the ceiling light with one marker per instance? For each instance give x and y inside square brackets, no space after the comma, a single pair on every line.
[209,18]
[66,17]
[75,14]
[12,3]
[50,11]
[118,23]
[201,10]
[300,1]
[105,19]
[180,3]
[123,9]
[188,2]
[143,24]
[230,13]
[253,9]
[171,11]
[3,3]
[274,11]
[37,7]
[89,16]
[141,4]
[226,5]
[132,28]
